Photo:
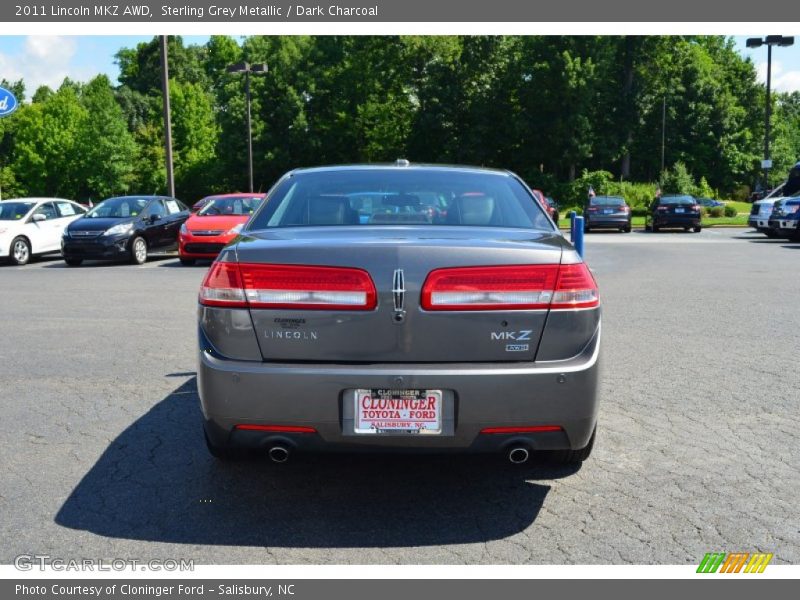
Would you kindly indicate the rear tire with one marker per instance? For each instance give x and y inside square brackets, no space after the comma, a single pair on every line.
[573,457]
[73,262]
[655,228]
[223,453]
[771,234]
[138,251]
[626,229]
[187,262]
[698,228]
[20,251]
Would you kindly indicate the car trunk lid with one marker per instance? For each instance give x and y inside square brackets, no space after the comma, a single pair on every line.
[398,260]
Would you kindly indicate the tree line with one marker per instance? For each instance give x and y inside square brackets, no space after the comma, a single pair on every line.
[550,108]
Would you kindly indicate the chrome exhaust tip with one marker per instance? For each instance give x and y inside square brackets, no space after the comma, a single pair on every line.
[278,454]
[518,455]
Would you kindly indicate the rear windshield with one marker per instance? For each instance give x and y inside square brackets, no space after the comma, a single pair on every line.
[607,201]
[400,197]
[13,211]
[677,200]
[118,208]
[230,206]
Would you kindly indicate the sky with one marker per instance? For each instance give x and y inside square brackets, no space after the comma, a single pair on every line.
[47,60]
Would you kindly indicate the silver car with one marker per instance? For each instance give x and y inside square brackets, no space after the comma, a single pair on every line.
[350,316]
[760,213]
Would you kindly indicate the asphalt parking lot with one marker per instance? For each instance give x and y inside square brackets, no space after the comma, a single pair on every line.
[102,453]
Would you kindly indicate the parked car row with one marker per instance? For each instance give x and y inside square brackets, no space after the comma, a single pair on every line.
[125,228]
[671,211]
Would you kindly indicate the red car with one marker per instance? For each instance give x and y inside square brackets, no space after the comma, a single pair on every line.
[220,219]
[547,204]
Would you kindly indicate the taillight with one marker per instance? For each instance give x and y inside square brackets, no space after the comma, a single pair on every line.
[626,209]
[510,287]
[592,209]
[662,207]
[695,207]
[288,286]
[575,288]
[222,286]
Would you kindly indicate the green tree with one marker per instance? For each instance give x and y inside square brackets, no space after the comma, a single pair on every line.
[46,160]
[195,132]
[106,149]
[140,67]
[677,180]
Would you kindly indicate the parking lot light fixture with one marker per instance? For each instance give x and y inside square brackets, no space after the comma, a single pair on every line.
[769,42]
[247,68]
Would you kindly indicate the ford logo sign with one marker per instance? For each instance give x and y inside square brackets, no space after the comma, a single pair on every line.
[8,102]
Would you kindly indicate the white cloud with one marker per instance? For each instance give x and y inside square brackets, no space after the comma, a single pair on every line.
[782,80]
[43,60]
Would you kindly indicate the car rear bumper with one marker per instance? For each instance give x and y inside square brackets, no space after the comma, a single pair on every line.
[677,221]
[603,221]
[475,396]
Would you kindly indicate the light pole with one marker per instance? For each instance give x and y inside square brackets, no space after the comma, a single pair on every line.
[247,68]
[167,116]
[769,41]
[663,130]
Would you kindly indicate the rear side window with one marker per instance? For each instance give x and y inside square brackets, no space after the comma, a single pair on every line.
[400,197]
[173,207]
[67,209]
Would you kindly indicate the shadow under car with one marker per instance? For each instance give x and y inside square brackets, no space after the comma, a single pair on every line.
[156,482]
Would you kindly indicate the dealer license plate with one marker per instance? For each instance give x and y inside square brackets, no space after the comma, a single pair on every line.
[380,411]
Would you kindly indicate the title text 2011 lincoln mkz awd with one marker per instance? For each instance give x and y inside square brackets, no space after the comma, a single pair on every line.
[399,307]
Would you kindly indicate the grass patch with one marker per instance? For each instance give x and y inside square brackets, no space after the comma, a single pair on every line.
[741,207]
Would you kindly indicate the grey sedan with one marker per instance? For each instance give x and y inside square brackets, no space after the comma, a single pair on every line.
[349,316]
